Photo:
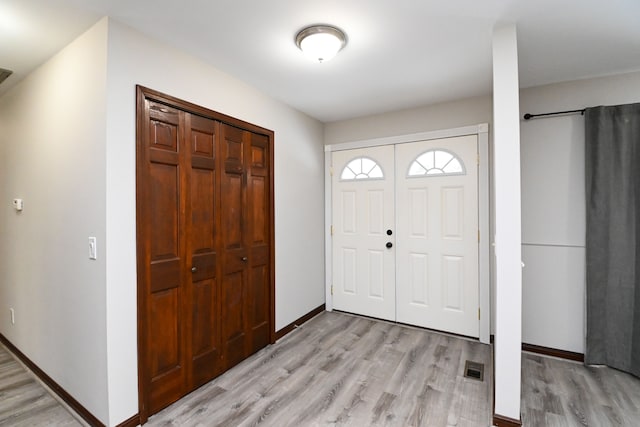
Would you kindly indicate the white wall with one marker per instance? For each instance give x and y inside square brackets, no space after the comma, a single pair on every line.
[299,185]
[553,206]
[53,143]
[465,112]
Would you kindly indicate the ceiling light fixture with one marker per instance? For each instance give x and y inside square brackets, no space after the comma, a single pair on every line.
[321,42]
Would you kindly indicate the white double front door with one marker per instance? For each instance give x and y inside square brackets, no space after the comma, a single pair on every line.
[405,233]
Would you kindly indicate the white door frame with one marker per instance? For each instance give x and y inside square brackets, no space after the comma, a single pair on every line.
[482,132]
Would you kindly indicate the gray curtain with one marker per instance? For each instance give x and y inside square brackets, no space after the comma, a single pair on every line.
[612,137]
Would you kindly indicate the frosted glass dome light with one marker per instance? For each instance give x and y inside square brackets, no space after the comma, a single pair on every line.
[321,42]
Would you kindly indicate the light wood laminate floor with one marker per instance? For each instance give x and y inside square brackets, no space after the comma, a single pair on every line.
[340,369]
[24,402]
[560,393]
[345,370]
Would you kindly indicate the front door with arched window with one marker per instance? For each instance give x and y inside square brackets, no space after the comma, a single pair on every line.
[405,233]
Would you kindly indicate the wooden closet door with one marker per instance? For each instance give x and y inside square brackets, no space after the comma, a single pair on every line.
[162,224]
[204,233]
[259,241]
[180,223]
[245,243]
[234,245]
[203,308]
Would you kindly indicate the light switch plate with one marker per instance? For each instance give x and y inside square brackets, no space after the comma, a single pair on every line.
[93,250]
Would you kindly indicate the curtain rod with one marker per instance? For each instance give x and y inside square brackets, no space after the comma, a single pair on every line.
[531,116]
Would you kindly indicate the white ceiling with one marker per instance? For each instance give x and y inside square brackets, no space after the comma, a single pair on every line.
[401,54]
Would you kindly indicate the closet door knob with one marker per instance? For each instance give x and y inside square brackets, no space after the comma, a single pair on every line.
[194,269]
[244,258]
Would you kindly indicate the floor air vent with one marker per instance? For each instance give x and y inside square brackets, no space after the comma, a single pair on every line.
[474,370]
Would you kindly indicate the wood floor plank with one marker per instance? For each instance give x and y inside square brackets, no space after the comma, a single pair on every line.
[380,411]
[344,370]
[561,393]
[24,402]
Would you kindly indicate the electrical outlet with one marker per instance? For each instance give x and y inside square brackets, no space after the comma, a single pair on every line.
[13,316]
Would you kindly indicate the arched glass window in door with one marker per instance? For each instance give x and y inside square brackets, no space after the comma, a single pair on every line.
[437,162]
[361,168]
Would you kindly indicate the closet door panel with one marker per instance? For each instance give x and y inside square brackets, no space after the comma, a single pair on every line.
[234,276]
[232,211]
[204,308]
[234,336]
[259,309]
[259,242]
[166,290]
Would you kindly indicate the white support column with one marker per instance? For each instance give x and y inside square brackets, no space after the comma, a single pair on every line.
[506,161]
